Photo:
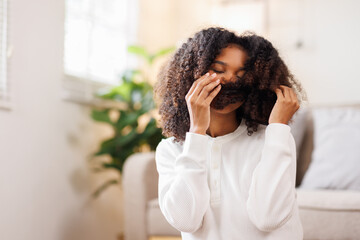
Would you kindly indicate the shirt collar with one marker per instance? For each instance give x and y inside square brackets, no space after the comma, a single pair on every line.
[229,136]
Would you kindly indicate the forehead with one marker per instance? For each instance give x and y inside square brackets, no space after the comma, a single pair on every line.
[232,55]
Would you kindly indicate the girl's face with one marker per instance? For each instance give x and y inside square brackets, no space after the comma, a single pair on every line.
[229,67]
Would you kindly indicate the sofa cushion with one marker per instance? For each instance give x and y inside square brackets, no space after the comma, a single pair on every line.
[330,200]
[335,159]
[329,214]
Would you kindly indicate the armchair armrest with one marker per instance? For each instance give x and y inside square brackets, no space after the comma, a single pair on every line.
[140,184]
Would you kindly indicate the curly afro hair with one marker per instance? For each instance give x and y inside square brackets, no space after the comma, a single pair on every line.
[264,71]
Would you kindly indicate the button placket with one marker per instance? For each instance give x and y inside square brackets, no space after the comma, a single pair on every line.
[215,171]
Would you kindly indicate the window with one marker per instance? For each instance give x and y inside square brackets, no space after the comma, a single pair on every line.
[4,88]
[97,34]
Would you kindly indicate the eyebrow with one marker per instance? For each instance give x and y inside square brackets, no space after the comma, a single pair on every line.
[225,64]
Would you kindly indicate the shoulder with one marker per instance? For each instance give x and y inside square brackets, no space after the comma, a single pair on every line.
[168,143]
[257,136]
[168,149]
[256,140]
[263,130]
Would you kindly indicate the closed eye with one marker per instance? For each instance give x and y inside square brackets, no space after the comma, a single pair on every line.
[242,74]
[217,71]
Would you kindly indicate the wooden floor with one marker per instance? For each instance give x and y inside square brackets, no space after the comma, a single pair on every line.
[165,238]
[121,237]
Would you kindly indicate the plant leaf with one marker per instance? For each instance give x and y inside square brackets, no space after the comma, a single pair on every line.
[106,147]
[164,51]
[138,50]
[124,140]
[101,116]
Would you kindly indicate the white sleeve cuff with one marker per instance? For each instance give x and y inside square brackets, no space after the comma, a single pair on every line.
[195,145]
[277,133]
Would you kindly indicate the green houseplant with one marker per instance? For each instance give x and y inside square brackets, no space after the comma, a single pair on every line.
[135,93]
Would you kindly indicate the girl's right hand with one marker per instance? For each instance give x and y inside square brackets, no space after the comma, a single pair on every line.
[198,100]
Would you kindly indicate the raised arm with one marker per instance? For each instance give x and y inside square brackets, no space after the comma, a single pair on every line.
[272,194]
[184,193]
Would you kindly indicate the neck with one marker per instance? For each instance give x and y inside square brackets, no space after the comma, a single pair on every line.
[222,124]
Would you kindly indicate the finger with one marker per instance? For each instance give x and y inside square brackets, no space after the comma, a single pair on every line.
[192,88]
[279,93]
[195,83]
[289,94]
[208,88]
[203,83]
[213,94]
[294,97]
[286,92]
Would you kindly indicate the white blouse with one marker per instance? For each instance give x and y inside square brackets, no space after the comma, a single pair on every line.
[233,186]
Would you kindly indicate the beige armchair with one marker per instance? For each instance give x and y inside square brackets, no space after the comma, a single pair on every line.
[325,214]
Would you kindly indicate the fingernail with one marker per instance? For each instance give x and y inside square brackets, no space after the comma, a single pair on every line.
[213,75]
[218,80]
[207,74]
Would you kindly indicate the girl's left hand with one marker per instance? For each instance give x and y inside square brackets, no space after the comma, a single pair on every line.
[285,107]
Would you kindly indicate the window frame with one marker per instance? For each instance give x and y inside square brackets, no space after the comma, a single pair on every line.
[82,91]
[5,103]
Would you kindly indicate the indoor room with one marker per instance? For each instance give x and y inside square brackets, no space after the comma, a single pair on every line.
[261,96]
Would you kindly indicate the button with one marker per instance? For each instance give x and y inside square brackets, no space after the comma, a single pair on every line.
[215,166]
[215,183]
[216,148]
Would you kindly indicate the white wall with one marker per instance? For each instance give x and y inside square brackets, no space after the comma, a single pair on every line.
[327,64]
[44,141]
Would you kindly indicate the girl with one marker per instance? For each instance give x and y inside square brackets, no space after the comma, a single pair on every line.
[227,169]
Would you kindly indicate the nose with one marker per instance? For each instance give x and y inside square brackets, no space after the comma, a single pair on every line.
[229,77]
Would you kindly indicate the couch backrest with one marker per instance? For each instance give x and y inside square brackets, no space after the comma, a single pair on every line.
[307,145]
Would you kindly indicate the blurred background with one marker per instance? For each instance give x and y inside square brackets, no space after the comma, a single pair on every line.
[56,55]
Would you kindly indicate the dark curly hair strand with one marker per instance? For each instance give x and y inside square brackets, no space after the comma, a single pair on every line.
[264,71]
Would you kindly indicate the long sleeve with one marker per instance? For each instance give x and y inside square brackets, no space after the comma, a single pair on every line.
[183,191]
[272,194]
